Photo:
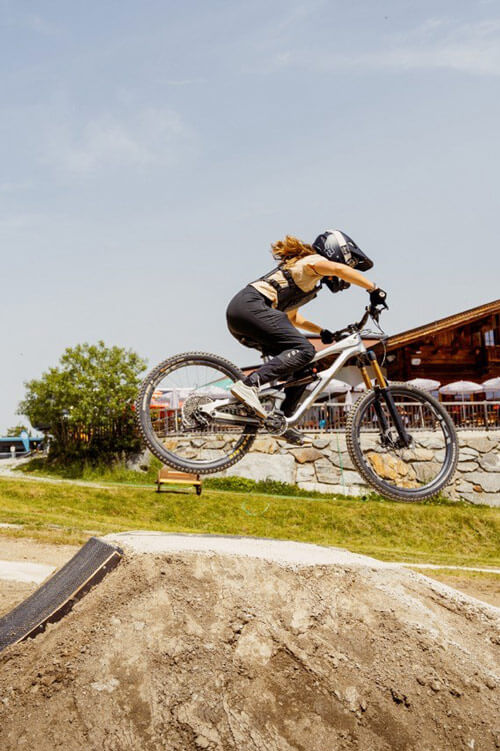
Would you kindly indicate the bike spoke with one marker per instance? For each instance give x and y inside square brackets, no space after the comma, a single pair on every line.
[175,413]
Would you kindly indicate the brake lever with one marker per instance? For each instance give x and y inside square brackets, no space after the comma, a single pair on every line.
[376,310]
[341,334]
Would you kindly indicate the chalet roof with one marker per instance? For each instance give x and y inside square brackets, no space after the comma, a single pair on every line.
[450,322]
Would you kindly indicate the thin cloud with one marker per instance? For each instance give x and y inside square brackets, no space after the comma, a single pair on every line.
[40,25]
[185,81]
[152,137]
[15,17]
[15,187]
[438,43]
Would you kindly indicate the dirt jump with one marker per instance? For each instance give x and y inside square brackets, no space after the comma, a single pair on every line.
[195,642]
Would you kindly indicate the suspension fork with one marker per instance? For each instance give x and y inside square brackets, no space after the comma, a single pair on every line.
[383,391]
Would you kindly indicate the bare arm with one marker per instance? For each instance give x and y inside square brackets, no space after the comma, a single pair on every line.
[330,268]
[298,320]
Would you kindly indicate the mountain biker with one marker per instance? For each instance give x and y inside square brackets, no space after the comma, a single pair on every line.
[264,314]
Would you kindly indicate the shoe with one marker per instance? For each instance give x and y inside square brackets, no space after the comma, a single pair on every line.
[248,395]
[293,436]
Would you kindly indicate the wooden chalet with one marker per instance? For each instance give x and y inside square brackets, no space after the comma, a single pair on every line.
[465,346]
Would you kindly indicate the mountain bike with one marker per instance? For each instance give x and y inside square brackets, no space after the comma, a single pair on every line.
[401,439]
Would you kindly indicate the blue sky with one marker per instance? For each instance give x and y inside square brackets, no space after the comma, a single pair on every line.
[152,151]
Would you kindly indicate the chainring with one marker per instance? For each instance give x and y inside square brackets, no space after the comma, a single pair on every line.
[276,423]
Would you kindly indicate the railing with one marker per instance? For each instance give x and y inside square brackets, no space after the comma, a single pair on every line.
[466,416]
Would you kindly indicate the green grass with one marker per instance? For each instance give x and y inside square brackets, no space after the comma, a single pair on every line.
[443,533]
[101,473]
[117,473]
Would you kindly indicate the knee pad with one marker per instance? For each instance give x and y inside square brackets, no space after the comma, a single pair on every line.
[297,357]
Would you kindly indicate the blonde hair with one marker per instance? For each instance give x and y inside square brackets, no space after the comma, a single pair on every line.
[289,250]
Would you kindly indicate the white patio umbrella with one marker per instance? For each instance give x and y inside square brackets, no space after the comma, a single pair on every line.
[492,384]
[177,395]
[461,387]
[214,392]
[425,384]
[349,401]
[337,387]
[334,387]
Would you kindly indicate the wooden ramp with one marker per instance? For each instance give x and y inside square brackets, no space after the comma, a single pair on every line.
[58,594]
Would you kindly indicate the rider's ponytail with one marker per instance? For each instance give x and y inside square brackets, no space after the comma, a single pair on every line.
[290,249]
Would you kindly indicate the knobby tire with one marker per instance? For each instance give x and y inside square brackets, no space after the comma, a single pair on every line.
[143,417]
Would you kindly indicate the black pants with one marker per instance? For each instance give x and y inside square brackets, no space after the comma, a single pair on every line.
[254,323]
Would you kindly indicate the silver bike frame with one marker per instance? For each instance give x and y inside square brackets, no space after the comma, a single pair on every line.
[346,348]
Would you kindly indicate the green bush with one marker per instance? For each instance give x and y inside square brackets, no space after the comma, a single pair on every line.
[85,403]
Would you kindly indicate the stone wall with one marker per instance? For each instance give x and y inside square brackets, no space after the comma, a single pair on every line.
[326,466]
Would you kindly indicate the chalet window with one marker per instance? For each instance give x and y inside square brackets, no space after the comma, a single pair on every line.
[489,338]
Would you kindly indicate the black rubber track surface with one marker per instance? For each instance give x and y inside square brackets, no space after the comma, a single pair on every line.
[58,594]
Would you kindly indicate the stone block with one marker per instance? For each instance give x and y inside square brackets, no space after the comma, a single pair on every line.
[214,444]
[488,481]
[490,462]
[430,441]
[320,487]
[479,442]
[305,473]
[326,472]
[280,467]
[321,443]
[463,487]
[303,455]
[265,445]
[488,499]
[417,455]
[207,455]
[343,460]
[389,467]
[467,453]
[426,471]
[468,466]
[198,443]
[352,478]
[337,442]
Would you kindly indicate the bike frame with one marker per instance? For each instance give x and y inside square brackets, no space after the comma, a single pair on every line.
[345,348]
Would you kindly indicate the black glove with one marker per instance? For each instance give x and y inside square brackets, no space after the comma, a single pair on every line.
[378,297]
[335,284]
[326,336]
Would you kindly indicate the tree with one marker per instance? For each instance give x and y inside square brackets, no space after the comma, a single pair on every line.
[86,402]
[17,430]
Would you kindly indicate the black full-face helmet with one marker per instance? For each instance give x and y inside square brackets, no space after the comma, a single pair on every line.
[335,245]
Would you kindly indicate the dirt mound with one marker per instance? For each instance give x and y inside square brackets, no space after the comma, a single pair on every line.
[205,651]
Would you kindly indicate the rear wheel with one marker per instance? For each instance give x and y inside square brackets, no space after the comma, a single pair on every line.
[173,425]
[405,474]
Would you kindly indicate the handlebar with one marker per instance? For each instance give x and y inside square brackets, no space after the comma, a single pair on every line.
[371,311]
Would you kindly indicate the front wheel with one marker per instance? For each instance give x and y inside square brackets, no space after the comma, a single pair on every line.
[176,429]
[405,474]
